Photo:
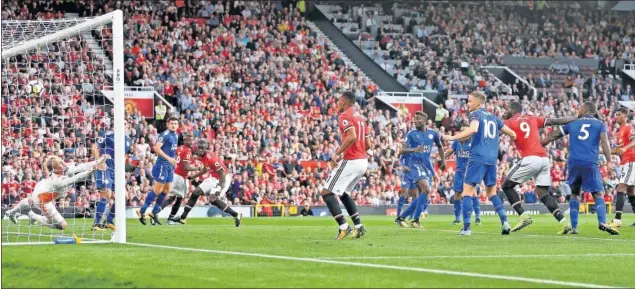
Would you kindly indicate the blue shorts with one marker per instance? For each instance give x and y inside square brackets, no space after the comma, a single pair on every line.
[416,173]
[105,180]
[457,184]
[589,177]
[163,173]
[477,173]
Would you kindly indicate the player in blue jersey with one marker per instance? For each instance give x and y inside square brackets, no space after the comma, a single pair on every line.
[418,148]
[162,171]
[105,179]
[587,133]
[481,167]
[462,150]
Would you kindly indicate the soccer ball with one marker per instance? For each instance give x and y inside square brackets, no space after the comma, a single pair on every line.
[35,87]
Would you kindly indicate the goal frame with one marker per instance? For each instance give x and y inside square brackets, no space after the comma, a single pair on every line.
[116,19]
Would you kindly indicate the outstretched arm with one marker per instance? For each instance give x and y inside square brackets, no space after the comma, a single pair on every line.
[467,133]
[558,121]
[508,131]
[552,137]
[606,146]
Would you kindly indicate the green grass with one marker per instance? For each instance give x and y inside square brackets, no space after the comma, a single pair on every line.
[548,257]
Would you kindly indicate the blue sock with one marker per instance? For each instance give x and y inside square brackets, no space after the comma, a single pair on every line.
[101,207]
[410,209]
[457,210]
[157,204]
[600,209]
[402,201]
[477,207]
[500,209]
[149,199]
[111,214]
[421,204]
[574,211]
[467,212]
[425,205]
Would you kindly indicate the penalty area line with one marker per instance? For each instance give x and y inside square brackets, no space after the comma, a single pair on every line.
[478,256]
[378,266]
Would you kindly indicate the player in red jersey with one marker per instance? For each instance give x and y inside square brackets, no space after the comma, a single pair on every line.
[210,186]
[534,163]
[350,169]
[626,149]
[180,183]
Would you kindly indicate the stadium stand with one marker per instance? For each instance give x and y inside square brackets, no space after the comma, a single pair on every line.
[255,80]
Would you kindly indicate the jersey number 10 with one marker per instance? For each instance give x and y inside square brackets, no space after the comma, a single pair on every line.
[490,129]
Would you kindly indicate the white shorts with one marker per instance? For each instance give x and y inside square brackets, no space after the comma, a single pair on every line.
[345,176]
[179,186]
[210,186]
[628,175]
[48,208]
[532,167]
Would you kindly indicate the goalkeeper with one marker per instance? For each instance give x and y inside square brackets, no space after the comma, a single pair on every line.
[53,188]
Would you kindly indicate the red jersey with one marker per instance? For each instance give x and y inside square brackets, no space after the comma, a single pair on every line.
[527,137]
[624,137]
[183,156]
[349,119]
[211,160]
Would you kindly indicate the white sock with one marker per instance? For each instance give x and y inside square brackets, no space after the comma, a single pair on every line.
[344,226]
[22,205]
[358,226]
[43,220]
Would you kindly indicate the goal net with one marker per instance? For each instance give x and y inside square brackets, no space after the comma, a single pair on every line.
[52,74]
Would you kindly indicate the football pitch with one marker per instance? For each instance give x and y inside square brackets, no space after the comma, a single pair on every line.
[301,252]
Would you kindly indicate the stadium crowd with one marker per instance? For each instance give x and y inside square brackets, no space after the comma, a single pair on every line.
[255,81]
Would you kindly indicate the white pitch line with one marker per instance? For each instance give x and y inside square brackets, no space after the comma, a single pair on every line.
[478,256]
[379,266]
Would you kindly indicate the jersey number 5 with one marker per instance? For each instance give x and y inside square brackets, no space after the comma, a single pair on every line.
[584,133]
[490,129]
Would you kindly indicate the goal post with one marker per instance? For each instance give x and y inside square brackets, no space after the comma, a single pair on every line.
[53,55]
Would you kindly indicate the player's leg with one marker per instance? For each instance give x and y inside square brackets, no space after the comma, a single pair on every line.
[490,189]
[424,190]
[457,208]
[334,185]
[352,176]
[160,179]
[168,171]
[626,182]
[474,174]
[191,202]
[216,201]
[592,182]
[176,193]
[23,205]
[630,190]
[51,218]
[403,195]
[413,191]
[141,213]
[476,205]
[521,172]
[574,180]
[103,179]
[110,219]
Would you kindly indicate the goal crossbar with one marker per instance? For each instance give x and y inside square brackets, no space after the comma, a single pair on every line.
[116,19]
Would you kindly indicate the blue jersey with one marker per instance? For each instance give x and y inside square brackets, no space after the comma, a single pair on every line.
[462,152]
[106,145]
[170,141]
[426,139]
[485,141]
[584,141]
